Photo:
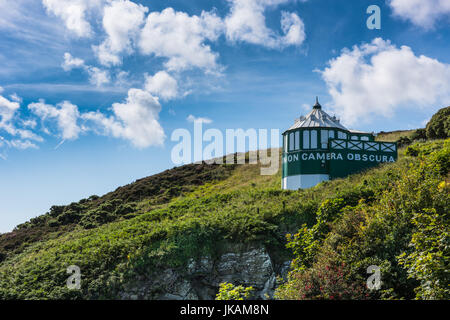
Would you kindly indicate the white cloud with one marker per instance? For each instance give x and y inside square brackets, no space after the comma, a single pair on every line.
[194,119]
[162,85]
[8,115]
[377,78]
[74,13]
[22,145]
[24,21]
[8,109]
[65,114]
[31,123]
[71,63]
[16,98]
[135,120]
[122,20]
[423,13]
[122,78]
[182,39]
[28,134]
[293,28]
[246,22]
[98,77]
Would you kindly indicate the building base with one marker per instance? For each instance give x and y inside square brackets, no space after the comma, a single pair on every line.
[303,181]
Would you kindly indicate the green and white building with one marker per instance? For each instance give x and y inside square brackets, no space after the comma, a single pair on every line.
[317,147]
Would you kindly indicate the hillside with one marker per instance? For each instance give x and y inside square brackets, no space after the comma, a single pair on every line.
[180,233]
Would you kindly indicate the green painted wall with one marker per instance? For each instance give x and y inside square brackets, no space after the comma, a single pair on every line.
[341,158]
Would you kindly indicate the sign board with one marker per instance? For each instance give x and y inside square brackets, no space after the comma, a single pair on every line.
[342,158]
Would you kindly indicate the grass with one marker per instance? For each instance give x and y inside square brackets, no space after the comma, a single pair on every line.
[394,136]
[235,205]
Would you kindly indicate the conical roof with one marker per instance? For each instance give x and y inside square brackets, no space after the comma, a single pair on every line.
[317,118]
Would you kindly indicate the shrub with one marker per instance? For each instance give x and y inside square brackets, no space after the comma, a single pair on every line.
[404,231]
[327,279]
[419,134]
[412,151]
[403,141]
[439,125]
[429,260]
[228,291]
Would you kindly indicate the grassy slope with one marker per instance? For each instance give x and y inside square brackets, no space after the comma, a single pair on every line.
[242,206]
[124,203]
[394,135]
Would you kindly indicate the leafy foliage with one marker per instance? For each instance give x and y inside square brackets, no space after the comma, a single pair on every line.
[228,291]
[429,260]
[404,231]
[439,125]
[394,216]
[120,204]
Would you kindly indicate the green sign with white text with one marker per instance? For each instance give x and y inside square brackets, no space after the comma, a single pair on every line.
[341,159]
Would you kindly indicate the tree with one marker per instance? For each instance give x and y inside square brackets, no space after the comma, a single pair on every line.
[439,125]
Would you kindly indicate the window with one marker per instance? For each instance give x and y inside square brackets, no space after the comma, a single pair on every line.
[291,141]
[364,138]
[285,143]
[331,134]
[342,135]
[324,138]
[297,140]
[306,139]
[355,138]
[313,139]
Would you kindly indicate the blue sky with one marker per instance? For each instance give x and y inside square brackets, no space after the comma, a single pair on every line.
[90,91]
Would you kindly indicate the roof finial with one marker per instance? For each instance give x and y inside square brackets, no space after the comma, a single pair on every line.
[317,105]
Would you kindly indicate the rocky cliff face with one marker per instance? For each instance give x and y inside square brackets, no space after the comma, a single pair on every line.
[200,280]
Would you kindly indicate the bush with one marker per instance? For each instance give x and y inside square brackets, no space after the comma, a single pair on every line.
[328,279]
[403,141]
[412,151]
[429,260]
[439,125]
[228,291]
[419,134]
[405,231]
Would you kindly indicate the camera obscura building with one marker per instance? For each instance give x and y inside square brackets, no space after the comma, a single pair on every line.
[319,148]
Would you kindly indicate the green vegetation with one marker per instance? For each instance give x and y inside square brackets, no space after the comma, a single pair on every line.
[394,216]
[124,203]
[394,136]
[404,229]
[437,128]
[228,291]
[439,125]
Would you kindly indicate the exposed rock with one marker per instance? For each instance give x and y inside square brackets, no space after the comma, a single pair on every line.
[284,269]
[201,278]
